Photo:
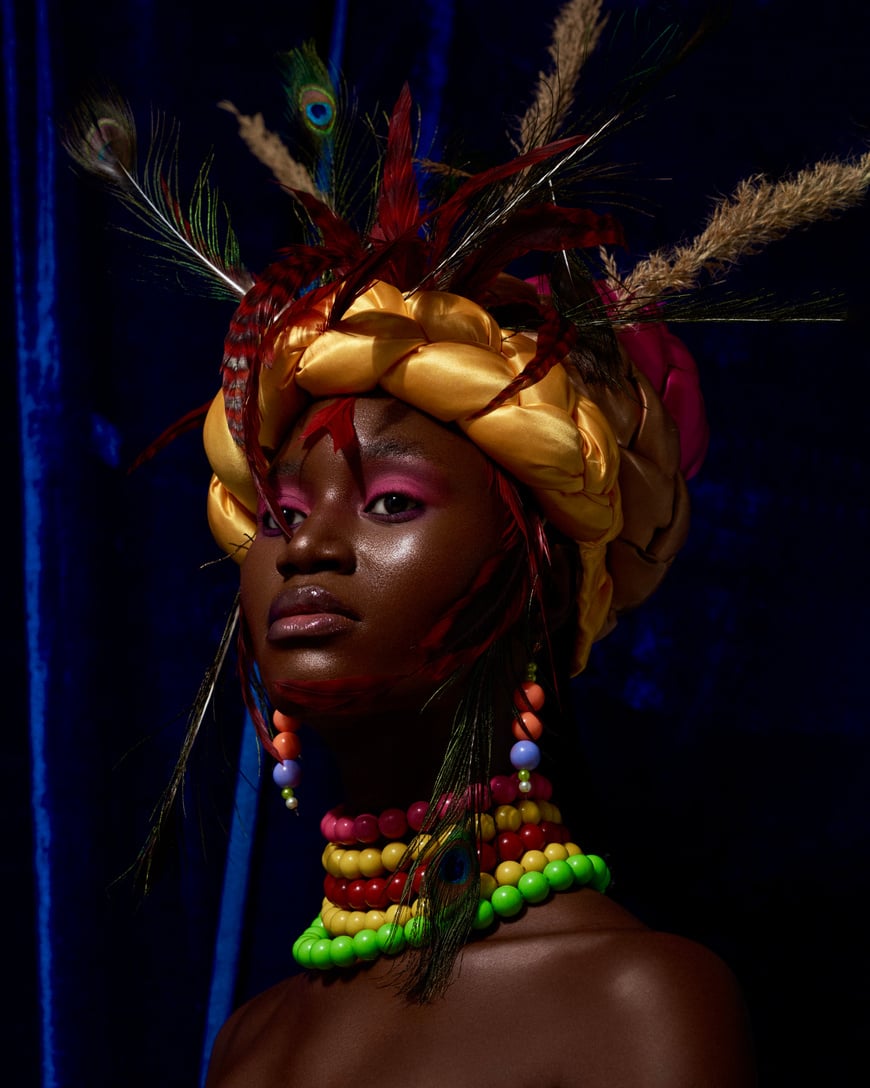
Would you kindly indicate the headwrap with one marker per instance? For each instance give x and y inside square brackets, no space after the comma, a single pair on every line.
[446,356]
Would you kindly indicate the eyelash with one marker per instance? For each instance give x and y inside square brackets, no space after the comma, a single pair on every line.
[414,506]
[270,526]
[294,517]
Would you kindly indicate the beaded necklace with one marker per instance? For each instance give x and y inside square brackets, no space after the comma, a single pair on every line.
[374,887]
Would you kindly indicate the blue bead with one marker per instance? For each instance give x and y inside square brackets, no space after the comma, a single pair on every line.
[287,773]
[525,755]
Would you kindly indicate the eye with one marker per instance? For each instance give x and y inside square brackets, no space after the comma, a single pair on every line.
[270,526]
[395,505]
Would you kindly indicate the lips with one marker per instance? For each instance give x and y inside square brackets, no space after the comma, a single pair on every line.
[308,612]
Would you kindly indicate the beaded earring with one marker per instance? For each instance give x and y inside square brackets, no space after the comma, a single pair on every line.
[287,773]
[527,728]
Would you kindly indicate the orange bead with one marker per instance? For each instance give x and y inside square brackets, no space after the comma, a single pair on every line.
[285,724]
[287,745]
[529,727]
[530,696]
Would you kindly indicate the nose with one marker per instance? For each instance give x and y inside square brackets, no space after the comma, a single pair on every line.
[322,541]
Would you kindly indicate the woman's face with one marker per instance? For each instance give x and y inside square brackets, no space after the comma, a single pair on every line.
[385,537]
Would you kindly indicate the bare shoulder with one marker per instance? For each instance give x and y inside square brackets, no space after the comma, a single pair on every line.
[244,1047]
[670,1008]
[644,1007]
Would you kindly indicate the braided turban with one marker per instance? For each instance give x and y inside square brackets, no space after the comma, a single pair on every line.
[447,357]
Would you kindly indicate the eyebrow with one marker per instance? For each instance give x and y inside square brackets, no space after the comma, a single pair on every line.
[377,449]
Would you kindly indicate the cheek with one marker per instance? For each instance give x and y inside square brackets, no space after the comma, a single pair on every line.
[255,584]
[428,568]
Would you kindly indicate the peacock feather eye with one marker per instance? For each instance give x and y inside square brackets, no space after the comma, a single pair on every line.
[455,864]
[318,108]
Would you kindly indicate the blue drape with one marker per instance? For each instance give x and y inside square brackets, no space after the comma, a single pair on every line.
[724,721]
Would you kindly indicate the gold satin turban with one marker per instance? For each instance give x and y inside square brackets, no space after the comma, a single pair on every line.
[447,357]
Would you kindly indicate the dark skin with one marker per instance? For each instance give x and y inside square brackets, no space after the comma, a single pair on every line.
[573,992]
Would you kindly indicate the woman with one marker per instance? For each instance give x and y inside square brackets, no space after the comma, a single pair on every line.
[460,656]
[398,586]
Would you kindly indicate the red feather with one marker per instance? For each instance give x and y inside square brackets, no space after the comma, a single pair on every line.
[398,207]
[337,419]
[336,233]
[545,228]
[556,338]
[273,292]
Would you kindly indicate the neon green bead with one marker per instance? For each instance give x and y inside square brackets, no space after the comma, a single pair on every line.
[534,887]
[602,873]
[485,915]
[418,931]
[507,901]
[365,944]
[391,938]
[302,951]
[341,952]
[320,954]
[559,875]
[581,867]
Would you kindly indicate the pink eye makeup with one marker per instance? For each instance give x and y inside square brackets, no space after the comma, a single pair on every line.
[291,507]
[392,495]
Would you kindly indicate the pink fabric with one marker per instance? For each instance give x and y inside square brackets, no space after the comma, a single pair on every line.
[666,361]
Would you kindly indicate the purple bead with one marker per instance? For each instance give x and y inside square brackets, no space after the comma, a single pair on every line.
[287,773]
[525,755]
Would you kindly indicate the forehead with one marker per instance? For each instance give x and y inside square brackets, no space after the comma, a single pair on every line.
[382,428]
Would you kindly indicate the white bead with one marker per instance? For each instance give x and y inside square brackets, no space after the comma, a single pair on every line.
[525,787]
[291,803]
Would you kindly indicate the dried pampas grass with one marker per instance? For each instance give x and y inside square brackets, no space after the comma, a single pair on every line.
[758,213]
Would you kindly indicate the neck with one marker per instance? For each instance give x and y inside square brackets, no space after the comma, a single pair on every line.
[388,759]
[388,749]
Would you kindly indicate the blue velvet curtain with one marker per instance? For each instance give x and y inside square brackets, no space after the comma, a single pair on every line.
[724,722]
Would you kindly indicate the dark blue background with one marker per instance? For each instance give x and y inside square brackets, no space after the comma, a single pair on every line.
[724,722]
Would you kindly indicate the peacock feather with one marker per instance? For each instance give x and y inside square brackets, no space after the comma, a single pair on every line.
[196,237]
